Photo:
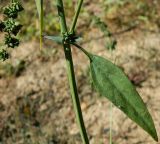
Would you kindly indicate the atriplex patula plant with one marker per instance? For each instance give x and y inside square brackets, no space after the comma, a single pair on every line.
[108,79]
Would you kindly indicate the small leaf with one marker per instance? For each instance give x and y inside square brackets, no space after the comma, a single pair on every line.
[39,5]
[112,83]
[78,39]
[57,39]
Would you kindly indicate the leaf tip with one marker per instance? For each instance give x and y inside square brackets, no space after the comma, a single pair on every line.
[155,137]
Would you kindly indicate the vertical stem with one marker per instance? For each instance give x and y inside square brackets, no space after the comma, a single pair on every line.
[71,75]
[41,24]
[80,2]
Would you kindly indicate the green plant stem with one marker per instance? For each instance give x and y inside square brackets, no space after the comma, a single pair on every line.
[71,75]
[82,49]
[39,5]
[80,2]
[41,25]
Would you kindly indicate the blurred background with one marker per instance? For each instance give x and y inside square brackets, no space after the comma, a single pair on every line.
[35,103]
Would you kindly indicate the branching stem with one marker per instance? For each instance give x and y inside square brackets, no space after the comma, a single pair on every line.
[71,75]
[80,2]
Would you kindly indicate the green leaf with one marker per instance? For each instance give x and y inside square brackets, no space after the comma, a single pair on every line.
[57,39]
[112,83]
[39,5]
